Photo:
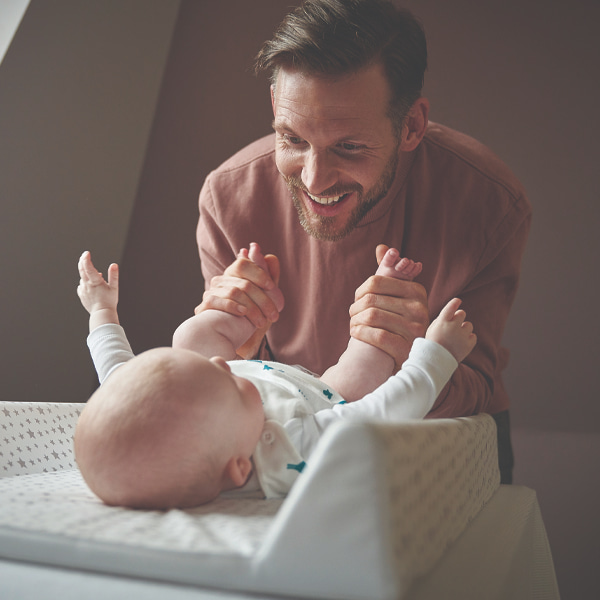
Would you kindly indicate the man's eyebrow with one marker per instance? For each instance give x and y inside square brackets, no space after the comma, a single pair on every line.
[278,125]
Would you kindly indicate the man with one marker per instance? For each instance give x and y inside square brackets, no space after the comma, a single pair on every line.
[355,165]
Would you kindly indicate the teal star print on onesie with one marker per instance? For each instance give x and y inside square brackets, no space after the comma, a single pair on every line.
[299,467]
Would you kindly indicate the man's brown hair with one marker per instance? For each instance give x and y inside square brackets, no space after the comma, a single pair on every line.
[341,37]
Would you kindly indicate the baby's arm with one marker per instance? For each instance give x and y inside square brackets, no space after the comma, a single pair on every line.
[107,341]
[408,394]
[362,367]
[99,297]
[217,333]
[411,392]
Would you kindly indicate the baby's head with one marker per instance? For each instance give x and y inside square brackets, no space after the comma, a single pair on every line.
[168,429]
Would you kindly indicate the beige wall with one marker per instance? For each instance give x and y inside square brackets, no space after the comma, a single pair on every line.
[78,92]
[519,75]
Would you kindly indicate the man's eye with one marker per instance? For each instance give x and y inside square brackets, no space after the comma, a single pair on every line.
[348,146]
[292,139]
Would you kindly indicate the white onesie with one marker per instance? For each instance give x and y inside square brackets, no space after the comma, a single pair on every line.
[299,407]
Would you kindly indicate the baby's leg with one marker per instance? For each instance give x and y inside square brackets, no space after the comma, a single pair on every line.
[217,333]
[362,367]
[400,268]
[256,256]
[213,333]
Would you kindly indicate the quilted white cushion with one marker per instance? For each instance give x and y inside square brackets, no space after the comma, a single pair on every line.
[37,437]
[375,509]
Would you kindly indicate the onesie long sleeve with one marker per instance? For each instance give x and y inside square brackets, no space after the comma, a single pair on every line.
[409,394]
[109,349]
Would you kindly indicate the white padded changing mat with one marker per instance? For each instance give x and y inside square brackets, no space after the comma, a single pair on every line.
[375,509]
[62,505]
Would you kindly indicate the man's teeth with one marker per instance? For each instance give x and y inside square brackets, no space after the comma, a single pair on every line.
[329,200]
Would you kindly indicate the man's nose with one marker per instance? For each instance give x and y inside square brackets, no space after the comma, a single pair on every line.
[319,171]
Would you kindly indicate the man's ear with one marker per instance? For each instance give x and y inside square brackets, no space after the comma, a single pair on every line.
[237,470]
[273,98]
[415,125]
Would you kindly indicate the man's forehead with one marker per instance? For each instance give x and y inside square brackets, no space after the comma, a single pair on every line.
[361,96]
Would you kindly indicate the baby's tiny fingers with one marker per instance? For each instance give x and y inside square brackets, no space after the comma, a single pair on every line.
[460,316]
[448,313]
[467,326]
[87,266]
[113,275]
[81,266]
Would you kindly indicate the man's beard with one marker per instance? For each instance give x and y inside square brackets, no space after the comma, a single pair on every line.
[325,227]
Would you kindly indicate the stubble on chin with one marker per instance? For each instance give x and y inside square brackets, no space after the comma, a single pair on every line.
[323,228]
[326,228]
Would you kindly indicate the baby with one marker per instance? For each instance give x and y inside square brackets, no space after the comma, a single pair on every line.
[175,427]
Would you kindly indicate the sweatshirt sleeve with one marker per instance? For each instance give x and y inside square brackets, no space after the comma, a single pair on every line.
[409,394]
[109,348]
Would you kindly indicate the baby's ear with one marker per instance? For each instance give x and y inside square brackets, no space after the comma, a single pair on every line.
[237,470]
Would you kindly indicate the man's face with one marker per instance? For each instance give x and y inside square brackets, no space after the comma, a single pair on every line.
[335,147]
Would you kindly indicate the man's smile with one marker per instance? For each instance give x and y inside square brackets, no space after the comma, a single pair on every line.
[327,200]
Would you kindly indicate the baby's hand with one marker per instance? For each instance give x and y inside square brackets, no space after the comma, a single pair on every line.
[452,331]
[94,292]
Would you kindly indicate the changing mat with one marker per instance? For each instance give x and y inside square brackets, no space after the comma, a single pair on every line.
[375,509]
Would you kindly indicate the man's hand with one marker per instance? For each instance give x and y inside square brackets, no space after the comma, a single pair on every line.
[389,313]
[243,290]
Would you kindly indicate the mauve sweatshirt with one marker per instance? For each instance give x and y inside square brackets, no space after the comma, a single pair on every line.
[454,206]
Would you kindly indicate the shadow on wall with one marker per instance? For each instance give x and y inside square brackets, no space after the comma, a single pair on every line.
[211,105]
